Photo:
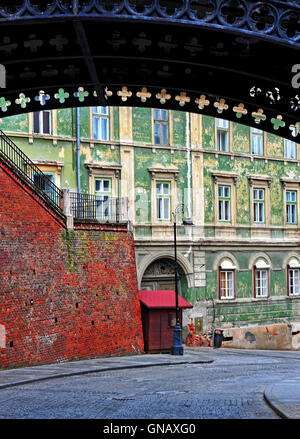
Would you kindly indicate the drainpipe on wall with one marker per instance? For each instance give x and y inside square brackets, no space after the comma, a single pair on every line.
[188,218]
[78,149]
[188,157]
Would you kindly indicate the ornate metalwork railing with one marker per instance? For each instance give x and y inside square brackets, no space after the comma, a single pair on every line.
[99,207]
[276,18]
[28,171]
[167,60]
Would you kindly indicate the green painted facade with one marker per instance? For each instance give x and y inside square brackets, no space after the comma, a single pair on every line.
[239,240]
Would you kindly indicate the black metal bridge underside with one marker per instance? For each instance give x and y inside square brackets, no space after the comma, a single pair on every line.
[231,59]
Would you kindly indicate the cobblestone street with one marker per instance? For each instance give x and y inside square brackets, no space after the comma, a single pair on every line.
[231,387]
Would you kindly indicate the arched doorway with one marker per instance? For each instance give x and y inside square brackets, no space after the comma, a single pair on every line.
[159,275]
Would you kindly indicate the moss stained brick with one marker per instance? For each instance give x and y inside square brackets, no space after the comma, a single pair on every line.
[49,305]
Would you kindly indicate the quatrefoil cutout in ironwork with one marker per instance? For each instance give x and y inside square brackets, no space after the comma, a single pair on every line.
[22,100]
[42,97]
[278,122]
[61,95]
[4,104]
[81,94]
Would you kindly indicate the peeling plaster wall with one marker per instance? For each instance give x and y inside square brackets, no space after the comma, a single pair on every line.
[134,129]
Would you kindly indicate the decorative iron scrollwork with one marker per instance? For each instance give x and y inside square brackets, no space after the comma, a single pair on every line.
[268,17]
[263,18]
[233,12]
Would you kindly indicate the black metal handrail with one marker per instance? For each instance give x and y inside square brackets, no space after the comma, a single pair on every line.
[102,208]
[26,169]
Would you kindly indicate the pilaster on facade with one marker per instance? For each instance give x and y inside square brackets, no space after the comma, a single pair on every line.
[30,128]
[127,186]
[196,131]
[198,189]
[125,117]
[199,268]
[54,127]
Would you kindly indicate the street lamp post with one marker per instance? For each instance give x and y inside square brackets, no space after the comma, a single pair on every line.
[177,348]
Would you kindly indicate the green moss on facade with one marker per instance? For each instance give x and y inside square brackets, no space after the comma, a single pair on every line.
[66,122]
[19,123]
[208,130]
[240,138]
[179,128]
[244,309]
[142,125]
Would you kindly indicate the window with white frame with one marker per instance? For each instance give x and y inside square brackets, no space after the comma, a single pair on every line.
[293,269]
[261,278]
[224,202]
[259,205]
[290,149]
[100,123]
[222,134]
[103,191]
[160,120]
[163,200]
[291,207]
[226,280]
[42,122]
[257,141]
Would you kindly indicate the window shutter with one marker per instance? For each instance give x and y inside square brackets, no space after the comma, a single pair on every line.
[46,122]
[36,122]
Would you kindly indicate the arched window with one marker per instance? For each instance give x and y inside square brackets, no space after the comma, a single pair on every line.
[226,279]
[261,278]
[293,277]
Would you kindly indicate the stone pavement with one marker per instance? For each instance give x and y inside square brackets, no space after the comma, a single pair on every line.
[283,397]
[24,375]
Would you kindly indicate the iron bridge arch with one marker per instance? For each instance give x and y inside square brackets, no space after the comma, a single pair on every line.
[235,59]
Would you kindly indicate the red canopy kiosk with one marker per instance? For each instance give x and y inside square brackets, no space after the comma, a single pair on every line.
[159,318]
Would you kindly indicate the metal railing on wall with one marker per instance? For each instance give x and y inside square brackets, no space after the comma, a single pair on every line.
[28,171]
[102,208]
[98,207]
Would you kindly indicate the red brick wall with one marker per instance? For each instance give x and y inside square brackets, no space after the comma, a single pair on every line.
[63,294]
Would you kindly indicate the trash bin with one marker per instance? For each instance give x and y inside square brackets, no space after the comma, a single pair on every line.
[218,338]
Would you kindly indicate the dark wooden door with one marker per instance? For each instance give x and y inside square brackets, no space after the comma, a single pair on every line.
[154,334]
[167,323]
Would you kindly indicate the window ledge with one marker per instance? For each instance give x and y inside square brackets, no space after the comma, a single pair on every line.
[158,171]
[286,180]
[255,299]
